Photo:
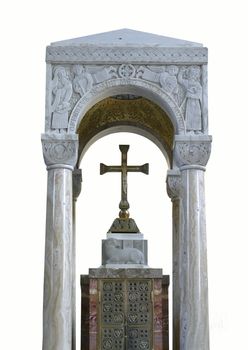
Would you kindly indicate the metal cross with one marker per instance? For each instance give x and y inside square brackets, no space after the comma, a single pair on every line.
[124,169]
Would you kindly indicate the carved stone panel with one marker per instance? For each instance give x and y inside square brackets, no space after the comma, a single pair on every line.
[184,85]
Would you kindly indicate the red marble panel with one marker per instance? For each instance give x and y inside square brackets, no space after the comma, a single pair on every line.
[157,314]
[84,312]
[93,302]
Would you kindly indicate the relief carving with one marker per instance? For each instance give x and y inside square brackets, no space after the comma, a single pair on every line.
[165,76]
[173,182]
[195,55]
[189,78]
[82,82]
[116,255]
[181,84]
[168,81]
[59,150]
[126,71]
[192,152]
[104,73]
[184,86]
[62,92]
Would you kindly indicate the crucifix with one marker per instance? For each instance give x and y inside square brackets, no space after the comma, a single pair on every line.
[124,169]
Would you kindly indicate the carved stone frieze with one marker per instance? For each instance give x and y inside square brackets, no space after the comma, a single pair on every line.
[60,150]
[192,150]
[72,83]
[174,183]
[139,55]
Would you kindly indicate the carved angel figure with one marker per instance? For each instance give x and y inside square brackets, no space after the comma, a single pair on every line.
[168,80]
[82,81]
[62,92]
[190,79]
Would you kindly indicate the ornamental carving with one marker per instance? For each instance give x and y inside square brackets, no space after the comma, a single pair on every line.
[126,323]
[61,92]
[82,81]
[173,182]
[182,83]
[189,78]
[141,55]
[126,71]
[58,150]
[184,86]
[193,152]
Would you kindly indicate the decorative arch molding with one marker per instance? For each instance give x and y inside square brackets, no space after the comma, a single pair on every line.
[139,116]
[126,86]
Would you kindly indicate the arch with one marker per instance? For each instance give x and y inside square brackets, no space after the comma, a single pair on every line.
[140,116]
[127,86]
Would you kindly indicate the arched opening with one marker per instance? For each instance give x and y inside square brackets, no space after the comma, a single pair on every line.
[137,121]
[122,113]
[97,206]
[122,87]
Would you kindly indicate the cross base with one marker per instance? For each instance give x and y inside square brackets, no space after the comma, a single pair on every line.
[124,226]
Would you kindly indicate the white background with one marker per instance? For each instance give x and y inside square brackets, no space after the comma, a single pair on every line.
[26,28]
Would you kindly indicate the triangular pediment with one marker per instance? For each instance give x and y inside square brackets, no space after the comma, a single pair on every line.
[127,38]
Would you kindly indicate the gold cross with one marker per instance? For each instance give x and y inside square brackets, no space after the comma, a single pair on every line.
[124,169]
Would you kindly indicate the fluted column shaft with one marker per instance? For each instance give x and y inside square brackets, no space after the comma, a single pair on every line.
[191,154]
[60,155]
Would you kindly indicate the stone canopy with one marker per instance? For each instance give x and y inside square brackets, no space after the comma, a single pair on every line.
[148,84]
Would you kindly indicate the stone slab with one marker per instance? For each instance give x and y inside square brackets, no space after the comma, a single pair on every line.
[125,273]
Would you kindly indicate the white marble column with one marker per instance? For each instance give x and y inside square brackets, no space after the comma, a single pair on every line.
[173,189]
[60,154]
[77,180]
[191,154]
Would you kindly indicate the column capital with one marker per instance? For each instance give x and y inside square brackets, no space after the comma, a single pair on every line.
[173,182]
[76,182]
[192,151]
[60,150]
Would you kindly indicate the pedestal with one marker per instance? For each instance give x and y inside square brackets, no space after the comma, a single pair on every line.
[124,309]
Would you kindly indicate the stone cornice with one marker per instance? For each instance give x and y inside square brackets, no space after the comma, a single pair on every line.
[139,55]
[60,150]
[192,151]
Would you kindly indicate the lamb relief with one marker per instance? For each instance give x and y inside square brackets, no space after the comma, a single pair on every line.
[116,255]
